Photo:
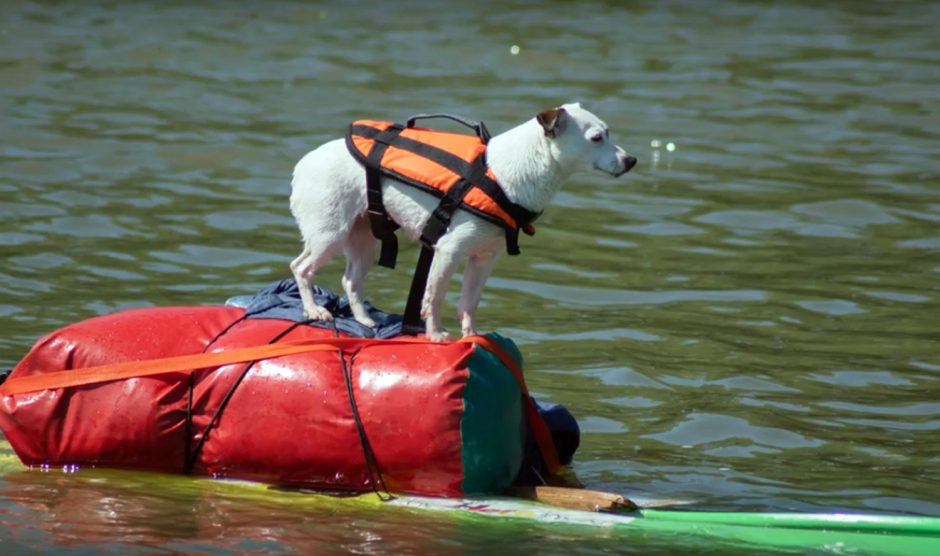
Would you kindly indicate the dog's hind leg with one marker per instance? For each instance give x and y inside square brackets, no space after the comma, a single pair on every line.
[304,268]
[360,250]
[478,270]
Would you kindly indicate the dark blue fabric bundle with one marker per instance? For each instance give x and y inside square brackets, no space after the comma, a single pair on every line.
[281,300]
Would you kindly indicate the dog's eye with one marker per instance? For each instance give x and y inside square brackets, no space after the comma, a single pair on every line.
[597,138]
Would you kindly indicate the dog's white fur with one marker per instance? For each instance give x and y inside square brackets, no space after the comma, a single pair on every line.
[529,161]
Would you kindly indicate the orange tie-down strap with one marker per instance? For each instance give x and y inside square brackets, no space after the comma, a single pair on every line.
[543,436]
[191,363]
[163,365]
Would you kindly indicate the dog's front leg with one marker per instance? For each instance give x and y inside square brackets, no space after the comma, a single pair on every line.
[442,269]
[478,270]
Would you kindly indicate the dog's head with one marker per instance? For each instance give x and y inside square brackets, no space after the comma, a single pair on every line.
[581,138]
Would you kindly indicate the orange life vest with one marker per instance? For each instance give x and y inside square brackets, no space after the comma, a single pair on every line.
[451,166]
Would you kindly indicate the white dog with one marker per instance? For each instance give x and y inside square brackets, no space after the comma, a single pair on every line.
[530,162]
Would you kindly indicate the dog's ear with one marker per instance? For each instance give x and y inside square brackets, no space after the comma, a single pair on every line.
[551,121]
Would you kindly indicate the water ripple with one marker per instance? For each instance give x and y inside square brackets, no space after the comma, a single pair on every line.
[605,297]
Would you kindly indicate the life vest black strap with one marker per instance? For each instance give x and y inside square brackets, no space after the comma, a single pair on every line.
[434,228]
[383,227]
[512,242]
[440,219]
[411,320]
[523,216]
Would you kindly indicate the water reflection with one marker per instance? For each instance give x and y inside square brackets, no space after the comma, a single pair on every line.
[103,512]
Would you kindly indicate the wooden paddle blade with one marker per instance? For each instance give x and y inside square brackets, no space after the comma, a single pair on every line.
[575,498]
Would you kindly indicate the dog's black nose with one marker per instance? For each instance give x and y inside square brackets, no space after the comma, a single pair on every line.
[628,162]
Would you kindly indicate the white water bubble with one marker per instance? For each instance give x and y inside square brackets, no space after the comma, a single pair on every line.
[670,146]
[656,143]
[514,49]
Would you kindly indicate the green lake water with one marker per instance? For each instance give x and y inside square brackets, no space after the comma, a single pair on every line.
[749,320]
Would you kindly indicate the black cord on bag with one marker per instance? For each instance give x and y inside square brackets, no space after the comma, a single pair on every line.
[192,456]
[372,463]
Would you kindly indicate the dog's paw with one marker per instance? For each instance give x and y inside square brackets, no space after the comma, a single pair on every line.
[438,336]
[366,321]
[318,313]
